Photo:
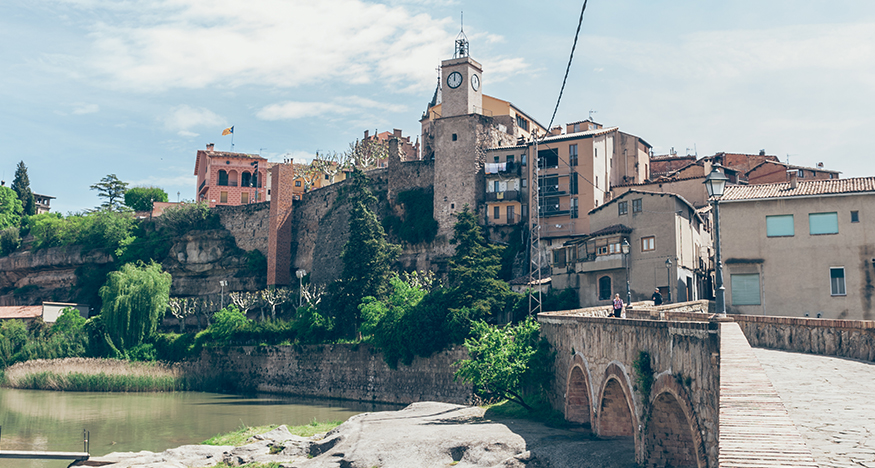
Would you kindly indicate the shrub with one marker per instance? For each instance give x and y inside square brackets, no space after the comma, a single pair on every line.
[226,323]
[9,240]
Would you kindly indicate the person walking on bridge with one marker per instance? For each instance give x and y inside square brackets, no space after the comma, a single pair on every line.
[656,297]
[618,306]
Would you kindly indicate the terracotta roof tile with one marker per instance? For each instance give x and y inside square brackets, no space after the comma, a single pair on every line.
[803,188]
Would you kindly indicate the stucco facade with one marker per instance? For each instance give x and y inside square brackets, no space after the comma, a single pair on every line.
[225,178]
[803,251]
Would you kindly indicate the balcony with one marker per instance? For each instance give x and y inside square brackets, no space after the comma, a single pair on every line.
[553,213]
[599,263]
[507,195]
[505,169]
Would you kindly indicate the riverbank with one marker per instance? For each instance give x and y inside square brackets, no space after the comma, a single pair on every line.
[94,375]
[422,434]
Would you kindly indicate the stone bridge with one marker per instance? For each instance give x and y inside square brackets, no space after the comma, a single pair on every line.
[685,386]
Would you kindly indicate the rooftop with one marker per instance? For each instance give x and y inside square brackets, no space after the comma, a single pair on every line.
[21,312]
[804,188]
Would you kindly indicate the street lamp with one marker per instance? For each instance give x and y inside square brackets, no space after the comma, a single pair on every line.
[301,273]
[668,273]
[223,283]
[714,184]
[625,249]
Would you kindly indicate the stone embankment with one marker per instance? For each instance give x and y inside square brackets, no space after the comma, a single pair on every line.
[423,434]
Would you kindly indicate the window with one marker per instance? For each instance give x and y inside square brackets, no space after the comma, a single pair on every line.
[297,183]
[244,197]
[622,208]
[745,289]
[548,158]
[779,225]
[648,243]
[525,211]
[495,187]
[837,281]
[245,179]
[523,182]
[596,181]
[573,208]
[496,212]
[605,288]
[800,173]
[576,127]
[495,159]
[572,183]
[823,223]
[549,205]
[326,176]
[549,185]
[223,197]
[522,123]
[455,137]
[596,152]
[223,177]
[523,159]
[559,257]
[637,206]
[510,159]
[572,155]
[510,214]
[855,216]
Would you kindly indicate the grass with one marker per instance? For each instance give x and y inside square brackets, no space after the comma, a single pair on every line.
[93,375]
[240,436]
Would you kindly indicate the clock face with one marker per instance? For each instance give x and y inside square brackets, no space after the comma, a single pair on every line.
[475,82]
[454,80]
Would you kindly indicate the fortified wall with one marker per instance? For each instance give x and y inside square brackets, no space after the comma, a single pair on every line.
[247,223]
[351,372]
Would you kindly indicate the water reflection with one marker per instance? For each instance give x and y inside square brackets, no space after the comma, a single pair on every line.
[44,420]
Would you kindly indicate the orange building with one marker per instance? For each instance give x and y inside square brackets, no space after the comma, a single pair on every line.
[225,178]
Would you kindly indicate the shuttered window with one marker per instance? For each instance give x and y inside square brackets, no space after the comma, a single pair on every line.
[837,281]
[823,223]
[779,225]
[745,289]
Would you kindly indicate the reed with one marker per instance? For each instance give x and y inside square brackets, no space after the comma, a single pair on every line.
[94,375]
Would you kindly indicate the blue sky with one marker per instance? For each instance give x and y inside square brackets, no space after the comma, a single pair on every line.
[135,88]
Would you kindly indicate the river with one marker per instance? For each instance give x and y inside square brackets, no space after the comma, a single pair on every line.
[121,422]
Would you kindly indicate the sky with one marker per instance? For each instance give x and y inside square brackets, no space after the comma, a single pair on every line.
[136,87]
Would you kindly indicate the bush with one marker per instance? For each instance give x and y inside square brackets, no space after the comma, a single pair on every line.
[226,323]
[311,326]
[418,224]
[96,230]
[9,241]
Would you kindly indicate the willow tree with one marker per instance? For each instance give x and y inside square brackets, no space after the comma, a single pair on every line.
[134,299]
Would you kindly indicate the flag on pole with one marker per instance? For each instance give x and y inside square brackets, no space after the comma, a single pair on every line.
[228,131]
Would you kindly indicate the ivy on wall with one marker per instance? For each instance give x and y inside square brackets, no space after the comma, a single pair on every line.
[417,225]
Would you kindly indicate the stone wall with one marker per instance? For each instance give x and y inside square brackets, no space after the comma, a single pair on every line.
[247,223]
[352,372]
[846,338]
[595,373]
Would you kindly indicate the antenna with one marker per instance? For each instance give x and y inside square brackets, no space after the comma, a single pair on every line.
[462,45]
[591,112]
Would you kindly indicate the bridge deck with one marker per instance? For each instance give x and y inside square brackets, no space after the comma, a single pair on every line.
[31,455]
[755,428]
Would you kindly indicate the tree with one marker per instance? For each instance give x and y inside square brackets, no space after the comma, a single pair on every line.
[182,308]
[367,259]
[134,299]
[113,190]
[21,187]
[246,301]
[504,362]
[10,208]
[274,296]
[142,198]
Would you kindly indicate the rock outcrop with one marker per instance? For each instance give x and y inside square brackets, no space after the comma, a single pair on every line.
[422,435]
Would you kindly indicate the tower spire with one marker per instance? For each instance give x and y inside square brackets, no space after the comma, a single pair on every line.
[462,44]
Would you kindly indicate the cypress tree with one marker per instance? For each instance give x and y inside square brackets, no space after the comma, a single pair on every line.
[21,187]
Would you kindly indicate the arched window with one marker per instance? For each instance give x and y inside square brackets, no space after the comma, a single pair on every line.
[245,179]
[604,288]
[255,181]
[223,177]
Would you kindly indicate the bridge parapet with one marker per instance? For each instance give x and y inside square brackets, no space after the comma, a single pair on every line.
[655,381]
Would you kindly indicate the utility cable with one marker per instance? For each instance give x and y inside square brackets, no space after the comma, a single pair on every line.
[568,68]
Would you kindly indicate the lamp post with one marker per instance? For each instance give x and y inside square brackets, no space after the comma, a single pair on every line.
[668,275]
[625,249]
[222,283]
[301,273]
[714,184]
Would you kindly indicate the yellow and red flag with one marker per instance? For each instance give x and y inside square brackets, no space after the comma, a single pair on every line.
[228,131]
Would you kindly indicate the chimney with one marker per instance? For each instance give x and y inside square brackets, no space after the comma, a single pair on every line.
[210,146]
[366,134]
[793,179]
[762,152]
[820,165]
[397,133]
[557,130]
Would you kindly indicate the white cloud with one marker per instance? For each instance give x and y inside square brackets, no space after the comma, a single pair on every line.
[183,118]
[82,108]
[196,43]
[165,182]
[290,110]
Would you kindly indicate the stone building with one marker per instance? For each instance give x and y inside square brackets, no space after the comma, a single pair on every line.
[800,248]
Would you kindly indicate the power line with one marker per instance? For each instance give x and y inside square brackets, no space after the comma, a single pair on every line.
[567,68]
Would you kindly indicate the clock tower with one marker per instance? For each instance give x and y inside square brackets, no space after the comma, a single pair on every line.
[462,83]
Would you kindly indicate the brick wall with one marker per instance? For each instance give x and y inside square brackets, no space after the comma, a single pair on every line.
[335,371]
[247,223]
[279,258]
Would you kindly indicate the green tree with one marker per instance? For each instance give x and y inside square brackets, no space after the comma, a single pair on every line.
[113,190]
[507,362]
[134,299]
[142,198]
[10,208]
[367,259]
[21,187]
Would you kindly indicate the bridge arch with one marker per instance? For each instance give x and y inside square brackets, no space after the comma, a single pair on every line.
[578,392]
[672,436]
[616,414]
